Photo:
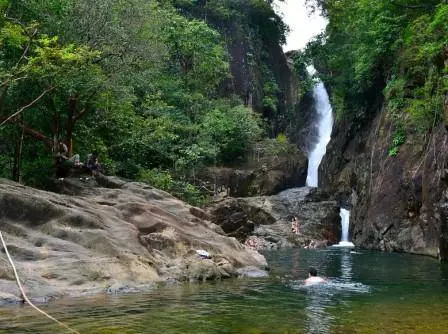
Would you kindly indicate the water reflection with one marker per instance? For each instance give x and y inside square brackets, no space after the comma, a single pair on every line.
[346,264]
[321,298]
[318,319]
[366,293]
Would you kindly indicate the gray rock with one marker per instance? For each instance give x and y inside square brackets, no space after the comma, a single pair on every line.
[397,202]
[102,237]
[252,272]
[264,222]
[8,298]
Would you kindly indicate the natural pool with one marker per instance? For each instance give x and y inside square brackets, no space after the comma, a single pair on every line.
[368,292]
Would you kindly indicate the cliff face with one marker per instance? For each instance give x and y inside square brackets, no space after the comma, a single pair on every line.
[261,74]
[398,203]
[263,77]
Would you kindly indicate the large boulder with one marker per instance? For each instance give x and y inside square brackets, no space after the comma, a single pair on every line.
[270,168]
[109,239]
[266,221]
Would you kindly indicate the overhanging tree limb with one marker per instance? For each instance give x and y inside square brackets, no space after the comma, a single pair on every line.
[33,133]
[27,106]
[82,112]
[7,82]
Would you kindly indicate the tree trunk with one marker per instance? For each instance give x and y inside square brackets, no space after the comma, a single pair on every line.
[70,123]
[16,170]
[3,98]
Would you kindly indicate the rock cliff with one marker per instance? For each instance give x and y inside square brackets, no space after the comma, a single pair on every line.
[398,202]
[265,222]
[265,171]
[110,238]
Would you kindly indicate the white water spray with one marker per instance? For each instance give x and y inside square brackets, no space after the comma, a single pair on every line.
[345,222]
[325,126]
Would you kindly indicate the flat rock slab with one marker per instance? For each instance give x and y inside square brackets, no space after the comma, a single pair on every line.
[112,239]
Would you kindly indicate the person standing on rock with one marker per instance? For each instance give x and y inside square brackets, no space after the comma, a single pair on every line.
[295,225]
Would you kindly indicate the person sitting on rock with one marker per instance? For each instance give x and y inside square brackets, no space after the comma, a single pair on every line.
[63,162]
[313,278]
[92,163]
[61,152]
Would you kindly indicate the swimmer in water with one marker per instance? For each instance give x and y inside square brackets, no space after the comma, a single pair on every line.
[313,278]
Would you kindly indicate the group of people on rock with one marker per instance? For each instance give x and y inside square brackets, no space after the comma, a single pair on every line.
[253,242]
[310,244]
[62,157]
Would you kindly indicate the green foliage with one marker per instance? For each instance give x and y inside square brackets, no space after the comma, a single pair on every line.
[300,62]
[394,47]
[281,139]
[137,81]
[180,188]
[398,139]
[270,100]
[395,97]
[231,131]
[259,15]
[197,51]
[268,150]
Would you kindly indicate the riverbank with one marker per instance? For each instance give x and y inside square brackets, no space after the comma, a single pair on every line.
[122,237]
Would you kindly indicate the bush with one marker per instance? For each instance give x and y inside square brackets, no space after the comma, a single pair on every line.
[182,189]
[231,130]
[398,139]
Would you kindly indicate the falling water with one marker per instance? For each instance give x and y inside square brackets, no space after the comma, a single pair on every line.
[345,221]
[325,125]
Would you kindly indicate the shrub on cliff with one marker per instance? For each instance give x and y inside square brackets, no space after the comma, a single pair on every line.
[397,45]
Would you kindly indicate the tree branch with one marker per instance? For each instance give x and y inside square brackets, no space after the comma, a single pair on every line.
[27,106]
[31,37]
[34,133]
[8,81]
[81,113]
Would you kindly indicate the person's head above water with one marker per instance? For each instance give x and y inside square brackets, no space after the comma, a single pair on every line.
[312,271]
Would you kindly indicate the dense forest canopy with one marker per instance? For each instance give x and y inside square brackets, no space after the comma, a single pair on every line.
[395,50]
[139,81]
[148,84]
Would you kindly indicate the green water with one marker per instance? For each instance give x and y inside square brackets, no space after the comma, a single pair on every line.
[368,292]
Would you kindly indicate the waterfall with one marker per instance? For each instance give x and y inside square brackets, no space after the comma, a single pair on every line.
[325,125]
[345,222]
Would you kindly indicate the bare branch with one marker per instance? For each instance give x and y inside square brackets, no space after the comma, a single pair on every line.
[4,83]
[27,106]
[31,36]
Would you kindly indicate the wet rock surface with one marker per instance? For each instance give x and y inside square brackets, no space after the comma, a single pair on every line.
[113,239]
[397,203]
[265,222]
